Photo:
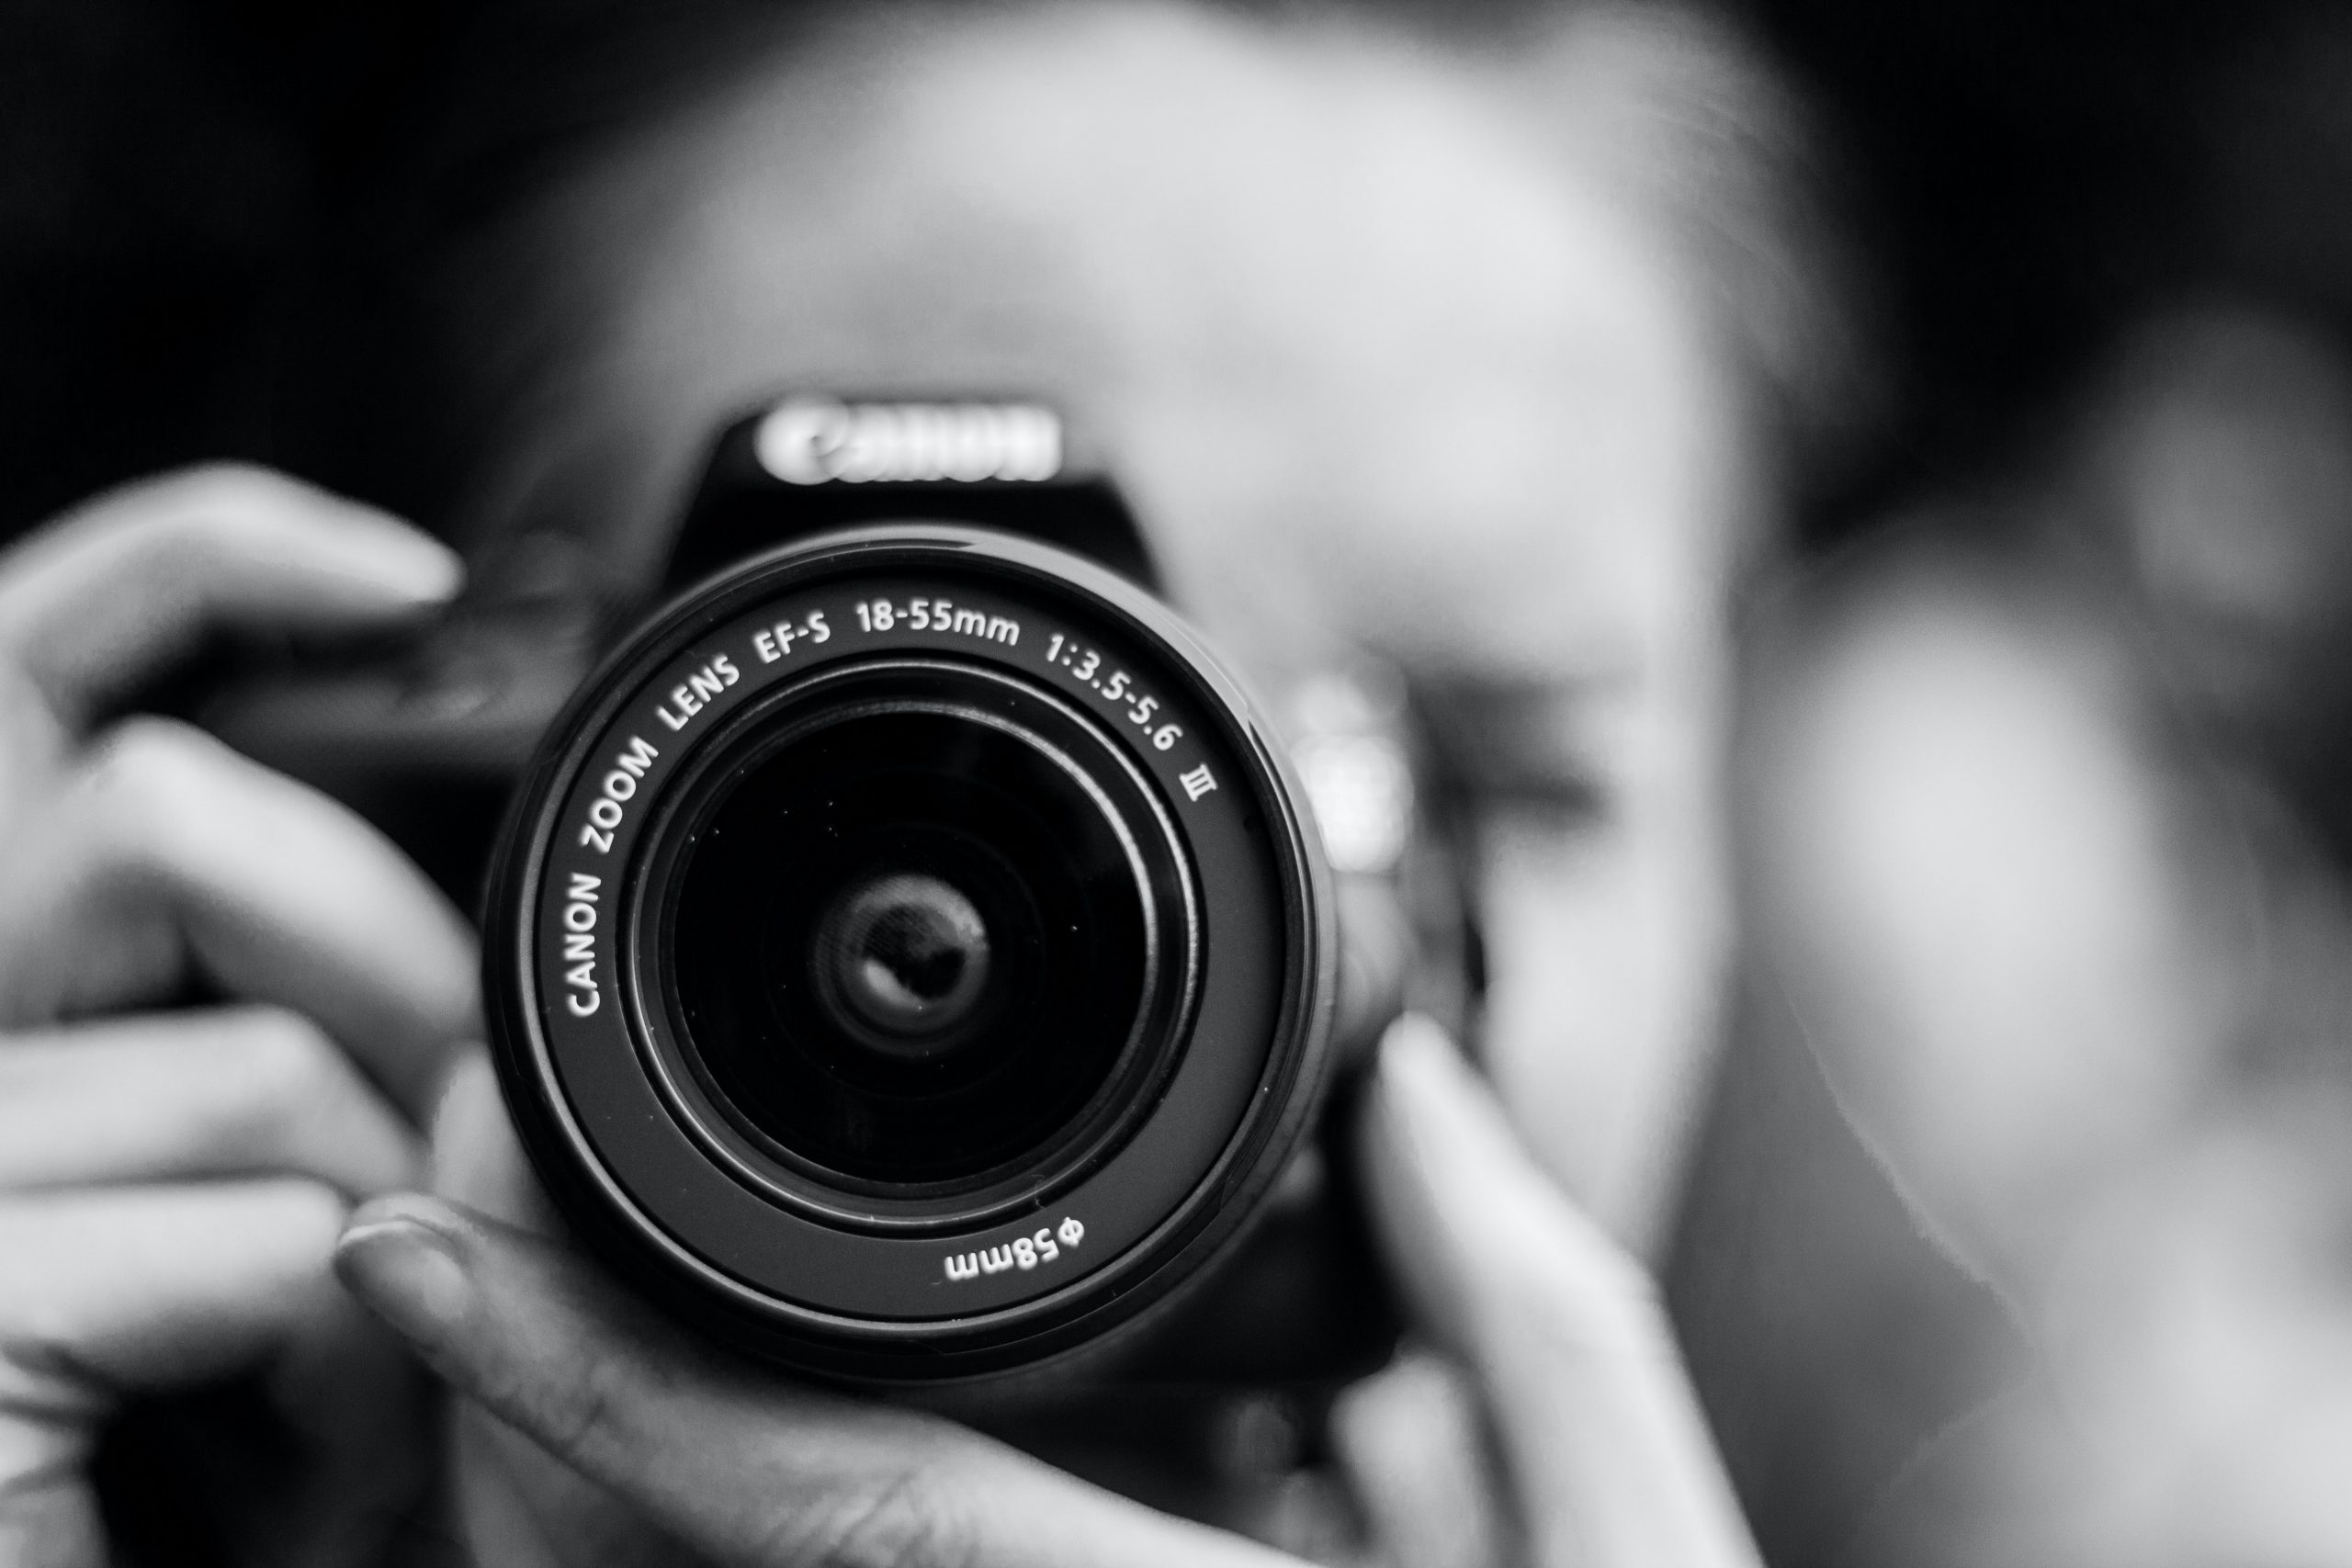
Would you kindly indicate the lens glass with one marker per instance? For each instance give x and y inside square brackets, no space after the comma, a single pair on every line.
[908,944]
[902,961]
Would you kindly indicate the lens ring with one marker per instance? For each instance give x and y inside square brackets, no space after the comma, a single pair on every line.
[865,1296]
[1154,864]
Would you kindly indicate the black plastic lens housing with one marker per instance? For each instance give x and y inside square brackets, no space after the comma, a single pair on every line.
[907,957]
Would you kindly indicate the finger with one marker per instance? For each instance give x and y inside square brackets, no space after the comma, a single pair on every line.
[362,1413]
[505,1487]
[1377,954]
[167,851]
[107,594]
[159,1287]
[1411,1442]
[477,1161]
[1609,1454]
[237,1091]
[149,1290]
[744,1468]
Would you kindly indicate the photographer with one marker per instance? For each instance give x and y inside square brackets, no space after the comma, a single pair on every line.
[1404,341]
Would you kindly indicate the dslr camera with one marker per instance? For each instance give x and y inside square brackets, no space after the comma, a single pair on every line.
[908,953]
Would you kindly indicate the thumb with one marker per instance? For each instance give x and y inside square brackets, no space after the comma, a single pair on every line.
[739,1466]
[717,1456]
[1610,1456]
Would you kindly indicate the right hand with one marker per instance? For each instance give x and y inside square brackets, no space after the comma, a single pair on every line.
[173,1177]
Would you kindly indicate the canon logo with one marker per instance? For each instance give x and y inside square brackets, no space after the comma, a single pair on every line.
[812,441]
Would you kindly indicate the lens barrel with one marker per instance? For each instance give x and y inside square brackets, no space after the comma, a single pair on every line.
[907,957]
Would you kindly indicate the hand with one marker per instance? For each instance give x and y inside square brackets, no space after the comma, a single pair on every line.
[1561,1330]
[614,1438]
[172,1181]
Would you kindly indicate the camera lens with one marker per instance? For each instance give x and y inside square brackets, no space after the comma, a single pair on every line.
[907,959]
[910,941]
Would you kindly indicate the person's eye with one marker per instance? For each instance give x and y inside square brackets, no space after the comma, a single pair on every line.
[1525,748]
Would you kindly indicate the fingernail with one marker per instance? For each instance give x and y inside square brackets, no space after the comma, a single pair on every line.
[1431,1098]
[392,557]
[428,571]
[1417,1061]
[1416,1039]
[406,1269]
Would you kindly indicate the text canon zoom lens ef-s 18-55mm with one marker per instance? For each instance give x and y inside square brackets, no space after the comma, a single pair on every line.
[907,957]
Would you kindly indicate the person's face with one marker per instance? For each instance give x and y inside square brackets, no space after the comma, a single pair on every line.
[1377,361]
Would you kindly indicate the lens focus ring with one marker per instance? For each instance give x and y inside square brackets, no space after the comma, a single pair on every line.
[888,900]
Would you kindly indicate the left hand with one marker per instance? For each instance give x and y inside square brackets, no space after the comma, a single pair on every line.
[172,1177]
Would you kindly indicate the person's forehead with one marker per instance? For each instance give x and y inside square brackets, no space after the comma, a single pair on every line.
[1371,358]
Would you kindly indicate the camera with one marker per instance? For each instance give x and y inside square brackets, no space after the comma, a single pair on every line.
[908,953]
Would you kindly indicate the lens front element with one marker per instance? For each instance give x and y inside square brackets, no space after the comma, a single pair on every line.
[887,904]
[900,961]
[911,922]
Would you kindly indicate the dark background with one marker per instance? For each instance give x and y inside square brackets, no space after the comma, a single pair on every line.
[194,223]
[174,179]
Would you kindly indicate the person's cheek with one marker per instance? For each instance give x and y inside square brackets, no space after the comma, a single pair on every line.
[1606,950]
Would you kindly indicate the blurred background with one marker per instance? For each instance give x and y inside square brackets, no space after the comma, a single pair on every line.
[184,183]
[2036,1117]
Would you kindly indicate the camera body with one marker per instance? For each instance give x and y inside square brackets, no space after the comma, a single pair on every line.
[908,953]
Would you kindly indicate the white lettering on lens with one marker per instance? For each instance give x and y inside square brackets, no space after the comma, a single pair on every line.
[1024,1253]
[775,642]
[1118,688]
[637,758]
[814,441]
[694,694]
[1197,782]
[934,616]
[604,813]
[581,995]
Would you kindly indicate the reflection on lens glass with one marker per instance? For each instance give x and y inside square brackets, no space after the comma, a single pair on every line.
[907,945]
[902,960]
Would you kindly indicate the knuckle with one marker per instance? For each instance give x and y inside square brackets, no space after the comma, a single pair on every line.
[225,491]
[906,1520]
[142,754]
[143,773]
[310,1210]
[285,1056]
[577,1417]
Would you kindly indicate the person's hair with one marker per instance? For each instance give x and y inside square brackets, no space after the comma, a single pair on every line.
[1674,110]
